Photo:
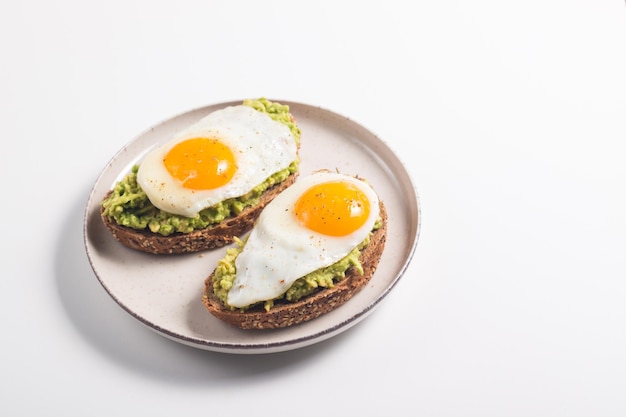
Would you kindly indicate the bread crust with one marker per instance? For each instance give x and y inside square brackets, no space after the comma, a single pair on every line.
[324,300]
[211,237]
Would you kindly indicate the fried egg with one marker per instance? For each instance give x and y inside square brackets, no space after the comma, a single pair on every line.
[224,155]
[311,225]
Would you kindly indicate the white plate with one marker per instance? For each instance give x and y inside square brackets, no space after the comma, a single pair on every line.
[164,292]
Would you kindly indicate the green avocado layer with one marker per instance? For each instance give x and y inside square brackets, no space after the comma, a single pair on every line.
[129,206]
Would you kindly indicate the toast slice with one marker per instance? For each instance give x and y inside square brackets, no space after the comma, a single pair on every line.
[212,237]
[322,301]
[209,234]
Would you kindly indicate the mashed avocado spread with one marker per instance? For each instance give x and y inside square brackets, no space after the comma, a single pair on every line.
[129,206]
[225,274]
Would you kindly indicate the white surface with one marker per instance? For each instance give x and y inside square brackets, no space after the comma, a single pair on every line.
[509,114]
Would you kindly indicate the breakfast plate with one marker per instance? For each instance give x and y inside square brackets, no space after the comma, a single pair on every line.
[164,292]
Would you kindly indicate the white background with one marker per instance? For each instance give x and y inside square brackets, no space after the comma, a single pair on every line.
[510,115]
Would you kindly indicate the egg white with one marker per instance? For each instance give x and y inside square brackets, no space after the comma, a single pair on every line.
[261,146]
[279,249]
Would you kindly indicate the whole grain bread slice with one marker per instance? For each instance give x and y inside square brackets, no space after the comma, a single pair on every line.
[212,237]
[324,300]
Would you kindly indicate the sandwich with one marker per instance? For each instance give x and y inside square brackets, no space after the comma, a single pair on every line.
[207,184]
[315,246]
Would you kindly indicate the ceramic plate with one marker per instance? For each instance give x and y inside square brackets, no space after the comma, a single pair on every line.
[164,292]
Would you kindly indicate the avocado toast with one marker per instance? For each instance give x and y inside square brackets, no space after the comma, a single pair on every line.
[134,220]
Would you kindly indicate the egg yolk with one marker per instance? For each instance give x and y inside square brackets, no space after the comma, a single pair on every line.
[333,208]
[201,163]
